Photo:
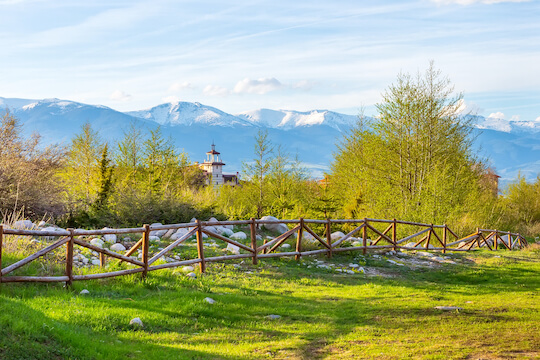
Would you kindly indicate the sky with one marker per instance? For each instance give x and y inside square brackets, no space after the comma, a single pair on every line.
[245,55]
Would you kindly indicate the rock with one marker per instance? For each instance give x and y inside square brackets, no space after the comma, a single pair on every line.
[233,248]
[95,262]
[42,224]
[97,242]
[357,243]
[394,262]
[153,238]
[213,219]
[179,233]
[209,300]
[391,252]
[448,308]
[83,259]
[349,272]
[424,254]
[169,233]
[118,247]
[361,269]
[354,266]
[239,236]
[35,241]
[226,232]
[136,322]
[411,245]
[191,275]
[84,292]
[279,228]
[24,225]
[273,317]
[336,235]
[110,238]
[286,246]
[187,269]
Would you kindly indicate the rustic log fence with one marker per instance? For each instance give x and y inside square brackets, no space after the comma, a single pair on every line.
[387,239]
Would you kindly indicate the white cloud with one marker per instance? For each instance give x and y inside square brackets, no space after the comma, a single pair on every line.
[537,119]
[497,115]
[259,86]
[470,2]
[214,90]
[119,95]
[177,86]
[465,107]
[515,118]
[305,85]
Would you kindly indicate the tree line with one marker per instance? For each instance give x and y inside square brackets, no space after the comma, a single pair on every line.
[413,161]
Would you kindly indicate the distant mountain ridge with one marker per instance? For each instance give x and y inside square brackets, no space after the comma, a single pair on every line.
[512,146]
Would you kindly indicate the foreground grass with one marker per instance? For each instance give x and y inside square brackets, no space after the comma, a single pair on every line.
[324,314]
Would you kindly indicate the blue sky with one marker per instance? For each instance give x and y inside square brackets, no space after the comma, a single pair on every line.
[245,55]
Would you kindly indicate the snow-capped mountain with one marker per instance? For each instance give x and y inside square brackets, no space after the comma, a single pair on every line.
[511,146]
[289,119]
[186,113]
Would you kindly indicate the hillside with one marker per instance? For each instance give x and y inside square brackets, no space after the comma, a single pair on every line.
[510,146]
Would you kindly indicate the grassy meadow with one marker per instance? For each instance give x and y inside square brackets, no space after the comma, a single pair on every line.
[388,312]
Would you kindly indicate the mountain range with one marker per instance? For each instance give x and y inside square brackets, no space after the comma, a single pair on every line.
[510,146]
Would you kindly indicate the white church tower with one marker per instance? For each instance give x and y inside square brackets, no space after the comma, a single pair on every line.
[213,167]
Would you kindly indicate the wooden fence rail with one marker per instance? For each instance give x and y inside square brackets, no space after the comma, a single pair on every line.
[426,239]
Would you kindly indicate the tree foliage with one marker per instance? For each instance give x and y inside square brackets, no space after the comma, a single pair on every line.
[414,160]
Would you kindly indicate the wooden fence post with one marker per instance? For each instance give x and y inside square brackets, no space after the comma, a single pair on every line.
[200,247]
[299,240]
[509,241]
[394,234]
[69,258]
[364,237]
[444,238]
[254,241]
[1,248]
[329,237]
[145,246]
[496,241]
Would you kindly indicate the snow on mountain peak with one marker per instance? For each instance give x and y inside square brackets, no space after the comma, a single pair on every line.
[288,119]
[187,113]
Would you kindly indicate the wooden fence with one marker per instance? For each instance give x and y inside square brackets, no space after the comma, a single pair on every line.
[430,237]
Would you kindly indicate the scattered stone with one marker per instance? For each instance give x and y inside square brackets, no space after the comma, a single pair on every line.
[354,266]
[96,262]
[279,228]
[136,322]
[394,262]
[118,247]
[97,242]
[110,238]
[286,246]
[226,232]
[191,275]
[391,252]
[448,308]
[24,225]
[209,300]
[153,238]
[84,292]
[233,249]
[187,269]
[337,235]
[273,317]
[239,236]
[425,254]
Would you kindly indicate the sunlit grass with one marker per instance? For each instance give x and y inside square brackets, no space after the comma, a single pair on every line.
[324,314]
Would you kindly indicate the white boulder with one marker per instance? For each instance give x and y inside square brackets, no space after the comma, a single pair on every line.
[233,249]
[137,322]
[239,236]
[95,262]
[226,231]
[84,292]
[279,228]
[24,225]
[97,242]
[187,269]
[118,247]
[110,238]
[336,235]
[191,275]
[209,300]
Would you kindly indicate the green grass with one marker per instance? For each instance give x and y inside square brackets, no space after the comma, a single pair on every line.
[324,314]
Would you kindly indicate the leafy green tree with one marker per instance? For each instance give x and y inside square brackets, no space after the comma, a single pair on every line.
[415,159]
[105,180]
